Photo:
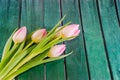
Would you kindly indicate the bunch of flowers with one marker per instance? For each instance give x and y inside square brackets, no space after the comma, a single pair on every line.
[24,51]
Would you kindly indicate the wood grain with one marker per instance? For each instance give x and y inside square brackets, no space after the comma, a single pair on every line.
[96,51]
[76,66]
[111,30]
[118,8]
[98,64]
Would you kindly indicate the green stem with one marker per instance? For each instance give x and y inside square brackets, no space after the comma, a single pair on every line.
[7,57]
[8,45]
[28,45]
[28,65]
[14,61]
[34,62]
[33,54]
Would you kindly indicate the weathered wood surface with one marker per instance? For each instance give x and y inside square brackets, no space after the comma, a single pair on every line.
[96,50]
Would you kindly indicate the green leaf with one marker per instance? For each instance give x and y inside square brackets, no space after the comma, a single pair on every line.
[8,44]
[10,64]
[54,58]
[47,39]
[8,56]
[38,51]
[47,46]
[44,41]
[52,43]
[63,26]
[15,61]
[34,62]
[31,55]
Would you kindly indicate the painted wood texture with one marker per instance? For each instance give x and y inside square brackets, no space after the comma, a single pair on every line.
[111,32]
[117,4]
[76,65]
[94,41]
[96,51]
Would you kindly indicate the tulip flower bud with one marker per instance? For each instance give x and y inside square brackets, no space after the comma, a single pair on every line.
[38,35]
[20,35]
[56,50]
[70,31]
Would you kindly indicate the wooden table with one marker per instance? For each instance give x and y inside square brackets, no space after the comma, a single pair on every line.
[96,51]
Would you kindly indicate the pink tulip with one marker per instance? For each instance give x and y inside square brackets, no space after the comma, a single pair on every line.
[70,31]
[57,50]
[20,35]
[38,35]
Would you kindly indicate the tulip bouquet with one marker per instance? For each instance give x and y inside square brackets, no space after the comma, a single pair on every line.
[23,51]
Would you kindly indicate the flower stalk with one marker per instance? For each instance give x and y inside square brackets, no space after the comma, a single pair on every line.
[39,47]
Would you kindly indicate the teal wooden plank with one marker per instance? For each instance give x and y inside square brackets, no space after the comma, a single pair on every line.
[54,70]
[9,13]
[112,34]
[98,64]
[76,66]
[118,7]
[32,17]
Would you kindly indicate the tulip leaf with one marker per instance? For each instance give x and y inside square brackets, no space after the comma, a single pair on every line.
[20,57]
[15,61]
[63,26]
[44,41]
[8,67]
[42,44]
[55,58]
[36,52]
[8,56]
[47,46]
[50,44]
[34,62]
[8,44]
[31,55]
[47,39]
[19,49]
